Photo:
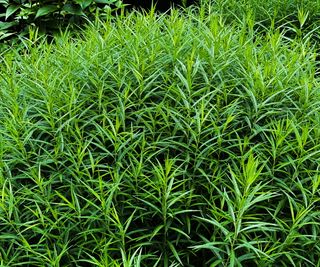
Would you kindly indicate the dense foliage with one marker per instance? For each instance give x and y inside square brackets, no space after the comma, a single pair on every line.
[184,139]
[18,15]
[160,5]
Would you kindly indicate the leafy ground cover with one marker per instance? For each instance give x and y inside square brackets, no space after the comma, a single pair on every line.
[181,139]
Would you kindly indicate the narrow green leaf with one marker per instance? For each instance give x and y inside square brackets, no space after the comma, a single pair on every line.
[8,236]
[175,253]
[155,232]
[4,35]
[232,259]
[216,263]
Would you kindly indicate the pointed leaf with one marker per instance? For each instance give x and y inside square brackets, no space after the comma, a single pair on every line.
[6,25]
[174,251]
[73,9]
[10,10]
[42,11]
[216,263]
[84,3]
[155,232]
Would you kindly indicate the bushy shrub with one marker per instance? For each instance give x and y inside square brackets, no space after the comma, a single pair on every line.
[161,140]
[16,16]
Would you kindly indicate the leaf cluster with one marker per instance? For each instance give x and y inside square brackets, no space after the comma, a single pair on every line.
[16,16]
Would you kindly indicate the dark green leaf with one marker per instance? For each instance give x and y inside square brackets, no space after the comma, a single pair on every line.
[174,251]
[107,2]
[10,10]
[7,25]
[73,9]
[42,11]
[84,3]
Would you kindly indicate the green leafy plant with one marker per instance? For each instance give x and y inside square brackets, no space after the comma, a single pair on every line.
[178,139]
[17,16]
